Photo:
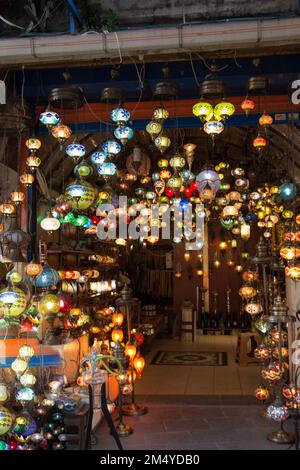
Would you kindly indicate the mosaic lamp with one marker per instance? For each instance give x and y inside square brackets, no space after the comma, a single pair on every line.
[223,110]
[204,111]
[208,178]
[213,128]
[111,147]
[287,191]
[97,158]
[120,116]
[12,301]
[49,118]
[33,144]
[75,151]
[123,133]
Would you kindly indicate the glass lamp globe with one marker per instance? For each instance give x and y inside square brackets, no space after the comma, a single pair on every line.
[27,179]
[261,393]
[50,224]
[287,191]
[4,393]
[97,158]
[203,111]
[162,142]
[49,304]
[19,366]
[27,379]
[163,163]
[33,162]
[49,118]
[17,197]
[213,128]
[25,394]
[7,209]
[139,364]
[117,335]
[111,147]
[107,169]
[6,420]
[247,292]
[26,352]
[61,132]
[80,194]
[123,133]
[75,151]
[154,128]
[47,278]
[160,114]
[208,178]
[224,110]
[175,182]
[259,143]
[277,411]
[177,162]
[120,116]
[83,170]
[265,120]
[33,269]
[12,301]
[247,105]
[33,144]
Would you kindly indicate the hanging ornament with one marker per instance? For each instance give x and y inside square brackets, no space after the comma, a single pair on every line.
[208,178]
[33,162]
[223,110]
[259,143]
[27,179]
[265,120]
[120,115]
[61,132]
[49,119]
[203,110]
[97,158]
[75,151]
[247,105]
[111,148]
[162,142]
[213,128]
[123,133]
[80,194]
[154,129]
[159,187]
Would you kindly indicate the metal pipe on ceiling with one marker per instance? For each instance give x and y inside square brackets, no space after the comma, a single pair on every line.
[209,37]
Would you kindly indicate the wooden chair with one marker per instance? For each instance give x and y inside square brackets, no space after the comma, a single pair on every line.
[243,357]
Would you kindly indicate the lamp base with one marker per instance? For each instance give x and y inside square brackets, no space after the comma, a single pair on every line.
[281,437]
[123,430]
[132,409]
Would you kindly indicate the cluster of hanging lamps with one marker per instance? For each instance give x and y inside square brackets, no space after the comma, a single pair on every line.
[213,117]
[155,129]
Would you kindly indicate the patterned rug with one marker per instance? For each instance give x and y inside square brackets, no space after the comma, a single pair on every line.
[190,358]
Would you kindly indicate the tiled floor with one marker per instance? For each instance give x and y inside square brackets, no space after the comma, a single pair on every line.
[198,380]
[194,427]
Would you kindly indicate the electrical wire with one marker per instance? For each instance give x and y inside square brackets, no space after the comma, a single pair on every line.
[9,23]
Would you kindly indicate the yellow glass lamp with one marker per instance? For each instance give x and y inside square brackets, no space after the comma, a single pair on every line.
[139,364]
[130,350]
[7,209]
[17,197]
[203,111]
[224,110]
[160,114]
[117,335]
[117,318]
[223,245]
[49,304]
[27,179]
[247,292]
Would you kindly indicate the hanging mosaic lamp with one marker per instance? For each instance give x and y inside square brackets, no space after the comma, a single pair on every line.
[61,132]
[163,163]
[80,194]
[204,111]
[97,158]
[7,209]
[49,118]
[120,115]
[208,178]
[261,393]
[75,151]
[160,115]
[287,191]
[107,169]
[12,302]
[83,170]
[177,162]
[174,182]
[165,174]
[27,179]
[259,143]
[207,195]
[33,144]
[47,278]
[50,224]
[223,110]
[265,120]
[123,133]
[17,197]
[33,269]
[247,105]
[33,162]
[111,148]
[247,292]
[293,272]
[213,128]
[162,142]
[49,304]
[154,129]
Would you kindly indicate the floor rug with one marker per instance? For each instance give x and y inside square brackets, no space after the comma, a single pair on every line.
[190,358]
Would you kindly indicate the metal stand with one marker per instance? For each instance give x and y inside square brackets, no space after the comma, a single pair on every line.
[123,430]
[281,436]
[133,409]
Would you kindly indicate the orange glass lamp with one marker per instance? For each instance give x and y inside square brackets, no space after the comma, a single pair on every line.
[139,364]
[247,105]
[130,350]
[117,335]
[117,318]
